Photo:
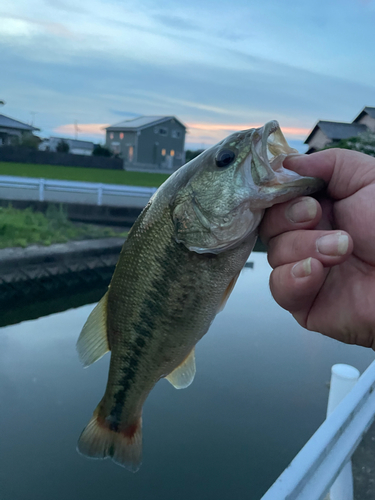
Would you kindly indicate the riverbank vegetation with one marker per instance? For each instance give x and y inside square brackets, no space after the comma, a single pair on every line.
[21,228]
[106,176]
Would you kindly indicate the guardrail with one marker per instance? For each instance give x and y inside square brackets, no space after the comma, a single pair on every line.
[90,193]
[313,471]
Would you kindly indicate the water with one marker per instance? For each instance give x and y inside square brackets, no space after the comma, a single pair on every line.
[260,392]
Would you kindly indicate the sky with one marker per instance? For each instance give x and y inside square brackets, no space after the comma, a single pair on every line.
[217,65]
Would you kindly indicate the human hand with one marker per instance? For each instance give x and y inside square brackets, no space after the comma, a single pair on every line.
[323,254]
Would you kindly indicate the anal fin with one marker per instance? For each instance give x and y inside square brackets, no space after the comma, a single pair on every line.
[92,343]
[183,375]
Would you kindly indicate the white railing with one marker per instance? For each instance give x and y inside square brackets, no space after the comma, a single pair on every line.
[28,188]
[313,471]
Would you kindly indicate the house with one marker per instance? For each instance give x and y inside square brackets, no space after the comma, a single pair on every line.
[13,130]
[326,132]
[76,147]
[148,142]
[366,117]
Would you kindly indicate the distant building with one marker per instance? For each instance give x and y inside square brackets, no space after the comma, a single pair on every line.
[76,147]
[148,142]
[326,132]
[366,117]
[13,130]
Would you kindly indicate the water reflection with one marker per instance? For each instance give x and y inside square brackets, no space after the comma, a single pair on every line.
[259,393]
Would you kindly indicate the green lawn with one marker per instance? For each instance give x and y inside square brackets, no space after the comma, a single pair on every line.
[82,174]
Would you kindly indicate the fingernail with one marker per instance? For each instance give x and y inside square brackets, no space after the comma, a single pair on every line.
[302,268]
[302,211]
[333,244]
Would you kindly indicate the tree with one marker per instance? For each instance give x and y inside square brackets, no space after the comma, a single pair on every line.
[100,150]
[62,147]
[30,141]
[364,143]
[27,140]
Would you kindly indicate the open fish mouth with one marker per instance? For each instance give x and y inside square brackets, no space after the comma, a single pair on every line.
[274,145]
[270,150]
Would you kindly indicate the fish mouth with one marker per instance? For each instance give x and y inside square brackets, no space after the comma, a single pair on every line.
[274,147]
[269,151]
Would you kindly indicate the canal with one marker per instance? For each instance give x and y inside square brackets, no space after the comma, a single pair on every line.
[259,393]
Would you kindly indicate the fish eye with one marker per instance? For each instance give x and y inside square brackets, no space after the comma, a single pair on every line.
[224,158]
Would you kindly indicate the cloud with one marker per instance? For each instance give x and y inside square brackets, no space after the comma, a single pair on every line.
[16,26]
[124,113]
[83,129]
[176,22]
[198,133]
[92,89]
[211,133]
[216,65]
[67,6]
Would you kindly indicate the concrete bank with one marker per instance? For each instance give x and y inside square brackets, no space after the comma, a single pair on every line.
[44,271]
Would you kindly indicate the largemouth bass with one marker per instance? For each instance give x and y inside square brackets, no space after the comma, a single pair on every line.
[176,271]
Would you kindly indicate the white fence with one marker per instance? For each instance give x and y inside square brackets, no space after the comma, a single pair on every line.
[317,465]
[88,193]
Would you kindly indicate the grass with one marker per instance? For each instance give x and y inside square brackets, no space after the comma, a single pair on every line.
[20,228]
[82,174]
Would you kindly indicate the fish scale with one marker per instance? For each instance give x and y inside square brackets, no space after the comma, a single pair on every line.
[175,272]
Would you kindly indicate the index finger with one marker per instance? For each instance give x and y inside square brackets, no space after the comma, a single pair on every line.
[301,213]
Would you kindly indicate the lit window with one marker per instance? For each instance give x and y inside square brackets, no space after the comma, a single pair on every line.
[163,152]
[131,152]
[121,135]
[111,136]
[172,152]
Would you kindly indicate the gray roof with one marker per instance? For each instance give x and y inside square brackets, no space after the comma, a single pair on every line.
[141,122]
[7,122]
[367,110]
[337,130]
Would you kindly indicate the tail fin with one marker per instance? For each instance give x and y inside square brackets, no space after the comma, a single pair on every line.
[123,446]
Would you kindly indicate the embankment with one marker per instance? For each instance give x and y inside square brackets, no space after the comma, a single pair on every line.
[40,280]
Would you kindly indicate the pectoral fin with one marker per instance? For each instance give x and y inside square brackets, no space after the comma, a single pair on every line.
[227,292]
[93,342]
[184,374]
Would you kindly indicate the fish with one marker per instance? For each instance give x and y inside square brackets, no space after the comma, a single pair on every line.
[176,270]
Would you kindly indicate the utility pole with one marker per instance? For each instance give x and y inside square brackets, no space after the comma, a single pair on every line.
[76,130]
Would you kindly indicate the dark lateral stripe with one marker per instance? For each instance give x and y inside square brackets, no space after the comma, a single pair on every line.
[149,313]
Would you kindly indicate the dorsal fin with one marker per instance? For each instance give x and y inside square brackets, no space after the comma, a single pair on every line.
[93,341]
[227,292]
[183,375]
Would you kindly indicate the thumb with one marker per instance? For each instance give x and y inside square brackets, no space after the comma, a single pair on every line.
[344,171]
